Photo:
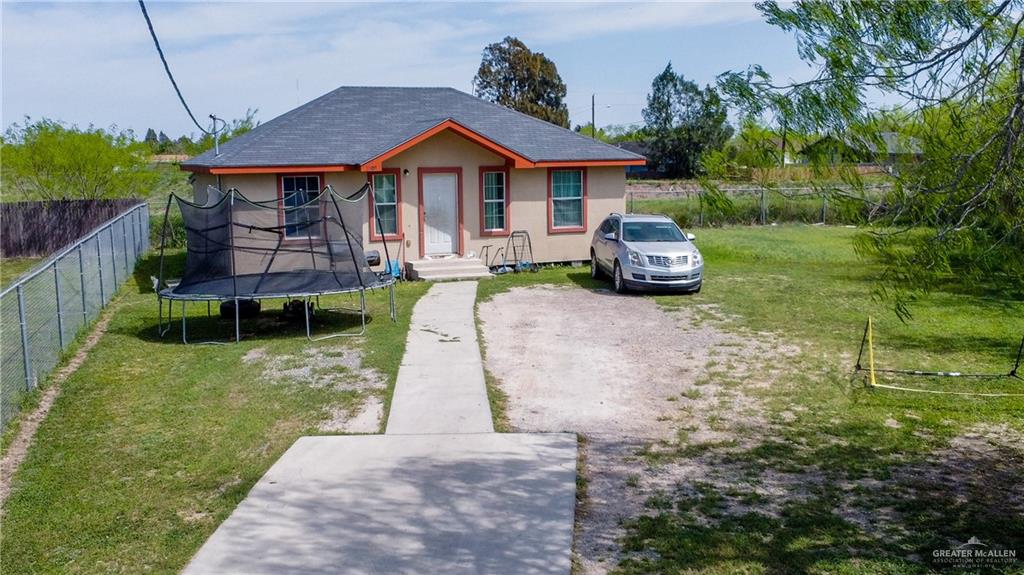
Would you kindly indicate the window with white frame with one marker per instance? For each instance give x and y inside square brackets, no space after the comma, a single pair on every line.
[385,202]
[494,201]
[301,201]
[567,199]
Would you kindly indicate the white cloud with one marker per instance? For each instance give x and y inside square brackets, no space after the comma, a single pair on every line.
[564,21]
[95,62]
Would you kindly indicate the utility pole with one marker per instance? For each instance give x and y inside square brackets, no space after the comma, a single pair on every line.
[593,124]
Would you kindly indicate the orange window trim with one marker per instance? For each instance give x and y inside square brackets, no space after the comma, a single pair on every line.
[457,170]
[280,212]
[374,236]
[484,232]
[551,221]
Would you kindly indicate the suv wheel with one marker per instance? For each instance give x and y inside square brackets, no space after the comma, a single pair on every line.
[595,268]
[617,280]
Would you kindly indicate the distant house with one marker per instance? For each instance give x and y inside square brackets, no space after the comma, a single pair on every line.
[789,149]
[649,170]
[451,173]
[888,148]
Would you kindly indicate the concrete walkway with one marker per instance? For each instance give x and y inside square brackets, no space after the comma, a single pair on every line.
[440,386]
[452,504]
[438,493]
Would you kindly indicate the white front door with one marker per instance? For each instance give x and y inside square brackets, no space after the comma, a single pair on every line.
[440,218]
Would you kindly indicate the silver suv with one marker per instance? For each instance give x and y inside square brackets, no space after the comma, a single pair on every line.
[642,251]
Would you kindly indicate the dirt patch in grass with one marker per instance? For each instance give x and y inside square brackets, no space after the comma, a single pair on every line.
[627,374]
[335,367]
[15,452]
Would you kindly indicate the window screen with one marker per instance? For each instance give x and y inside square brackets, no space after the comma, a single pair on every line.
[567,199]
[301,206]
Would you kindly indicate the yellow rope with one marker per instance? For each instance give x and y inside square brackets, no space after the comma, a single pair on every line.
[873,383]
[938,392]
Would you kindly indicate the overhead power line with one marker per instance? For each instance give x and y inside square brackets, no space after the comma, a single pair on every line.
[167,69]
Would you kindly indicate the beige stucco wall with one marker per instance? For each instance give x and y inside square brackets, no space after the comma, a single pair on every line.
[527,192]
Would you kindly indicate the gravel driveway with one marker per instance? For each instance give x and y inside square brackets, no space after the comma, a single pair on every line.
[623,372]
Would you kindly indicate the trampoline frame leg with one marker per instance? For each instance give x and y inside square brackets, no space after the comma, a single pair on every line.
[391,302]
[362,321]
[160,329]
[184,328]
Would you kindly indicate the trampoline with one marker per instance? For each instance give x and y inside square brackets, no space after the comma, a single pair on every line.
[304,244]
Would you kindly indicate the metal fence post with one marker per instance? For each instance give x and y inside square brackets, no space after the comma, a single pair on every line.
[124,242]
[26,356]
[99,263]
[764,215]
[113,258]
[135,239]
[700,207]
[60,311]
[824,207]
[81,275]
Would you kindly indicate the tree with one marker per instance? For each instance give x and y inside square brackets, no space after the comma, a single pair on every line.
[618,133]
[151,139]
[47,160]
[684,122]
[958,70]
[588,131]
[515,77]
[163,142]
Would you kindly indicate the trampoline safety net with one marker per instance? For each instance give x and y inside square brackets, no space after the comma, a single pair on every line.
[305,242]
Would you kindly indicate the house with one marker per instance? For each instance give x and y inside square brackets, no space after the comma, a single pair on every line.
[640,171]
[451,173]
[885,148]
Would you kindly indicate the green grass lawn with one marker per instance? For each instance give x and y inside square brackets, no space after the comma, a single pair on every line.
[803,286]
[151,443]
[13,268]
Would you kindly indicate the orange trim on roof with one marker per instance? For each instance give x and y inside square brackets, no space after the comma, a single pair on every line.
[576,163]
[482,141]
[376,164]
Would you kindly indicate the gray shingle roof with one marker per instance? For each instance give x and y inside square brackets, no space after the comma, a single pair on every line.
[352,125]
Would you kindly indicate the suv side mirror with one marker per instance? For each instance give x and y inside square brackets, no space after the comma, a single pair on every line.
[691,237]
[610,236]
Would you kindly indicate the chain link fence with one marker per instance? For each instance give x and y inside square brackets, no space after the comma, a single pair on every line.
[753,205]
[41,314]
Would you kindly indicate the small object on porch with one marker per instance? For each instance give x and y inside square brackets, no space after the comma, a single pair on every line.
[393,269]
[247,309]
[372,258]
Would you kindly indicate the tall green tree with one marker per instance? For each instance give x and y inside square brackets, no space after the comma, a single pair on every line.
[48,160]
[683,122]
[512,75]
[151,139]
[957,67]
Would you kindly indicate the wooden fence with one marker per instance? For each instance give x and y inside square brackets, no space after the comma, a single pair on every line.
[30,229]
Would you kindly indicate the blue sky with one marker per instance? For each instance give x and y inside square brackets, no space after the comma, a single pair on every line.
[89,63]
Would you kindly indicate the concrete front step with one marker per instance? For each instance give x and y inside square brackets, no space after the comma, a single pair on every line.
[447,269]
[451,275]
